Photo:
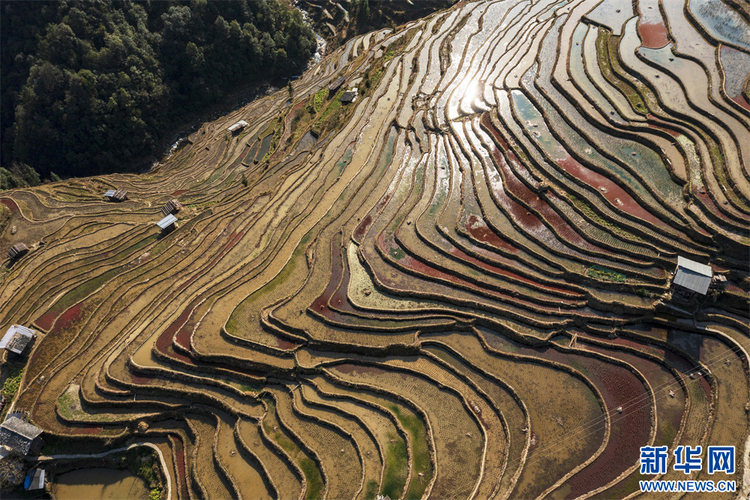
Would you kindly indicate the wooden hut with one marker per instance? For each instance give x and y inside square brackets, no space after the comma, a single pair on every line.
[349,96]
[20,437]
[335,86]
[18,250]
[171,207]
[116,195]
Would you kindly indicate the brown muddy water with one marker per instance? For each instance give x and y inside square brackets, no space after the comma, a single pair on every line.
[99,484]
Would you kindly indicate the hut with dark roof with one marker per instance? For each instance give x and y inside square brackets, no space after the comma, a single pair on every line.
[17,251]
[335,85]
[20,436]
[171,207]
[349,96]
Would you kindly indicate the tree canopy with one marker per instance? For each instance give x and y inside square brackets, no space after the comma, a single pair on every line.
[90,86]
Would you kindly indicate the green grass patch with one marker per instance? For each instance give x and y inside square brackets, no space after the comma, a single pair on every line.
[396,469]
[319,99]
[203,205]
[421,453]
[587,210]
[606,274]
[12,380]
[233,324]
[4,217]
[606,45]
[371,489]
[314,481]
[306,464]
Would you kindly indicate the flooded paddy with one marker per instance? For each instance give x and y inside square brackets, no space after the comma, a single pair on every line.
[99,484]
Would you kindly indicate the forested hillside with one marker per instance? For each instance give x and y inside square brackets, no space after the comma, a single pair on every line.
[90,87]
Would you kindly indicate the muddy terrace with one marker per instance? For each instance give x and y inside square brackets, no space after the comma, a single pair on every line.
[456,286]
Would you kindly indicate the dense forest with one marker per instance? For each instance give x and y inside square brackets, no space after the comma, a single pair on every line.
[92,86]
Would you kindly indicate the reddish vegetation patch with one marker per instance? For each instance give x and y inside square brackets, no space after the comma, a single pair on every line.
[12,205]
[165,339]
[68,317]
[179,454]
[513,189]
[708,203]
[178,193]
[612,192]
[321,303]
[654,35]
[630,429]
[650,370]
[89,431]
[137,379]
[183,336]
[671,131]
[363,226]
[285,344]
[360,231]
[387,244]
[508,274]
[740,99]
[46,321]
[481,232]
[178,356]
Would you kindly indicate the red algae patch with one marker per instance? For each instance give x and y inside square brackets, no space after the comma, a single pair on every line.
[654,35]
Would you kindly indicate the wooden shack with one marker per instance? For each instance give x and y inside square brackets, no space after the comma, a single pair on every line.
[17,251]
[20,437]
[335,86]
[116,195]
[349,96]
[171,207]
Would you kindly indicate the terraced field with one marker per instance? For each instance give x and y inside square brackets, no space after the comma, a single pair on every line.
[457,286]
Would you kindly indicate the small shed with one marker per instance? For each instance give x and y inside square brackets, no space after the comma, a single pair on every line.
[237,127]
[17,338]
[336,85]
[168,223]
[18,250]
[34,480]
[20,436]
[349,96]
[692,277]
[116,195]
[171,207]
